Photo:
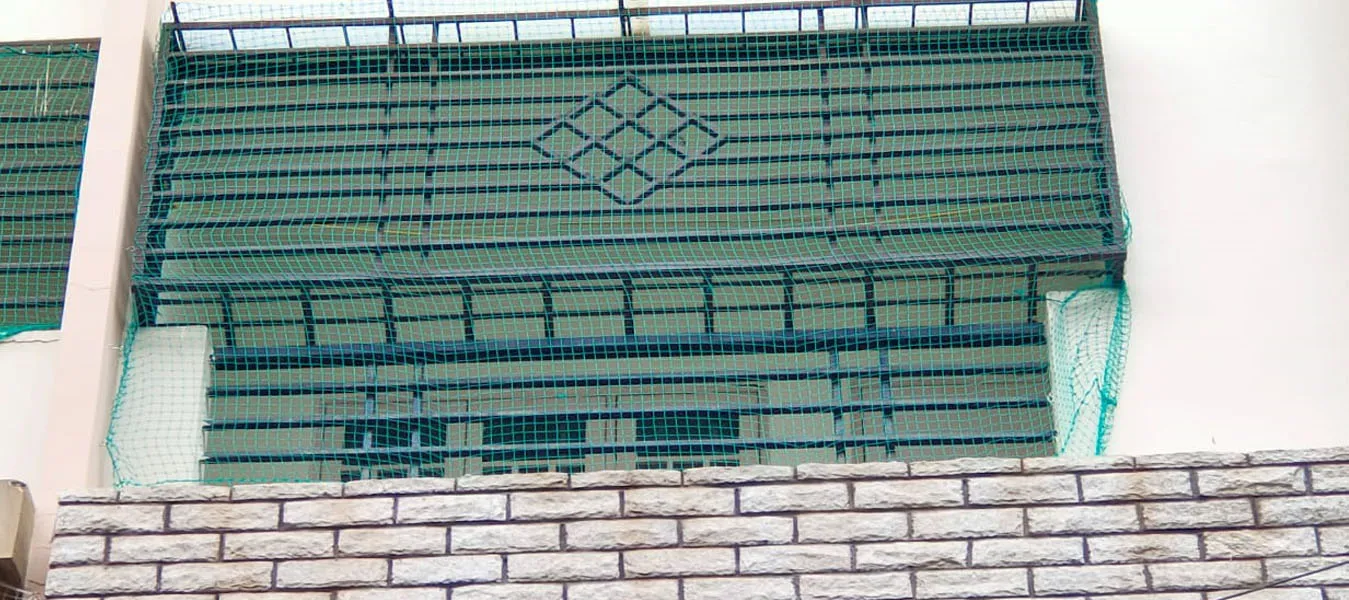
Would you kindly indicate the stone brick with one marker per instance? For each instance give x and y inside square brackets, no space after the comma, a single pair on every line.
[1330,478]
[505,538]
[621,534]
[173,492]
[967,523]
[1283,568]
[90,496]
[1075,464]
[1334,540]
[399,594]
[164,548]
[1143,548]
[627,590]
[537,506]
[1082,519]
[795,559]
[339,513]
[177,597]
[667,502]
[392,541]
[1314,455]
[1027,552]
[516,481]
[921,493]
[1260,543]
[857,586]
[625,479]
[288,544]
[248,516]
[1139,485]
[77,550]
[1158,596]
[679,562]
[832,471]
[793,498]
[734,475]
[737,531]
[287,491]
[739,588]
[964,466]
[452,509]
[1309,510]
[1023,489]
[911,555]
[89,581]
[1271,594]
[1190,459]
[277,596]
[1204,575]
[971,583]
[398,487]
[443,570]
[335,572]
[1259,481]
[562,566]
[1197,515]
[216,577]
[510,591]
[1108,579]
[113,518]
[852,527]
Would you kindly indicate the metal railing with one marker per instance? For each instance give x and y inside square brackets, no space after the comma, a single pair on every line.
[623,19]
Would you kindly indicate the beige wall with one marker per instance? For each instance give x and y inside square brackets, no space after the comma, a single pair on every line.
[1233,142]
[37,20]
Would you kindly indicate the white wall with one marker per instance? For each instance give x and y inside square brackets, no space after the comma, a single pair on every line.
[37,20]
[27,363]
[1233,141]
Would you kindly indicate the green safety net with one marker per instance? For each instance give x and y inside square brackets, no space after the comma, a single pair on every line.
[45,92]
[386,239]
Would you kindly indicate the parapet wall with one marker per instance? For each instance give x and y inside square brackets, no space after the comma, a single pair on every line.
[1183,526]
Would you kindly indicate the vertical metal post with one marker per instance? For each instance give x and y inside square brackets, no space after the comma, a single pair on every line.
[177,33]
[624,25]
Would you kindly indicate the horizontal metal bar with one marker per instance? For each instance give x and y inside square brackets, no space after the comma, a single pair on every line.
[645,11]
[574,381]
[271,220]
[25,216]
[524,452]
[768,93]
[640,346]
[620,271]
[756,65]
[32,118]
[32,302]
[28,240]
[431,166]
[33,267]
[812,278]
[976,127]
[631,239]
[415,420]
[45,84]
[18,143]
[835,177]
[36,191]
[562,314]
[14,168]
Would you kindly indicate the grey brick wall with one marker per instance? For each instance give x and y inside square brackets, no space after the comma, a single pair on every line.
[1176,527]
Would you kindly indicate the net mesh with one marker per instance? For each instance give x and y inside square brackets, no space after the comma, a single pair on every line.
[390,242]
[45,91]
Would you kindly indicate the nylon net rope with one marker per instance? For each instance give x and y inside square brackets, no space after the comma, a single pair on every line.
[45,91]
[381,239]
